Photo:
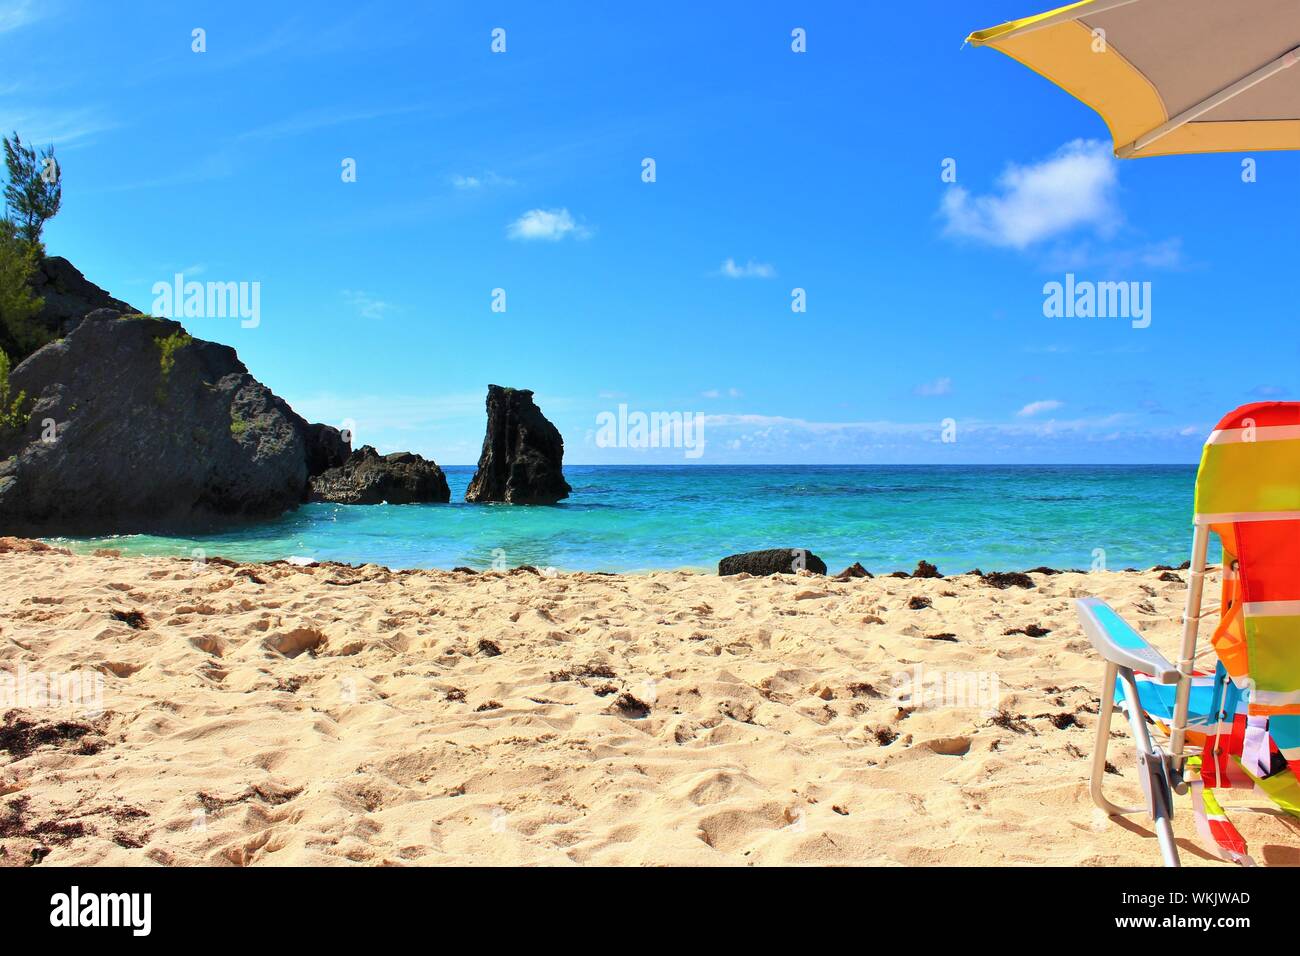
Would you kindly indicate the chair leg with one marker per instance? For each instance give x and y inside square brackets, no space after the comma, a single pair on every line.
[1103,744]
[1154,765]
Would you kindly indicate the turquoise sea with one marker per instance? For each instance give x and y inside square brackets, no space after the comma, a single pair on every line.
[634,518]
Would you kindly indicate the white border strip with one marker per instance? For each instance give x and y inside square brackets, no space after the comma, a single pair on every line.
[1274,698]
[1230,517]
[1271,609]
[1235,436]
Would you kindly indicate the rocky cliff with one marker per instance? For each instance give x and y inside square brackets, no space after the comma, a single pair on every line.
[136,426]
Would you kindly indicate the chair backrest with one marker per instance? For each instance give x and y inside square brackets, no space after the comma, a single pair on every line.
[1248,493]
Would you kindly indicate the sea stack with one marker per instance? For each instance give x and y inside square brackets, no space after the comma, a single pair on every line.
[523,453]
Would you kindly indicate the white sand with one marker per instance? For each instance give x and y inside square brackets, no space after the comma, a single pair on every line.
[331,715]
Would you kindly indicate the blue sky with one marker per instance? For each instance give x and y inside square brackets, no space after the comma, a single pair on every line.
[775,170]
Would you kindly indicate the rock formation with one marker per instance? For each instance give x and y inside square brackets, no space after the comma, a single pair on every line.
[522,454]
[136,426]
[368,478]
[774,561]
[326,448]
[68,296]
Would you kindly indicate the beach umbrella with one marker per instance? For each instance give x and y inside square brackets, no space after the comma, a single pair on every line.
[1171,76]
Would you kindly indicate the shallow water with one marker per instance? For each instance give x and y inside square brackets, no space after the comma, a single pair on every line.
[642,518]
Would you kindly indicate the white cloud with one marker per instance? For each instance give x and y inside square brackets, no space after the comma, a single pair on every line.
[63,128]
[1268,391]
[551,225]
[719,393]
[1033,408]
[1071,257]
[368,306]
[750,270]
[940,386]
[1074,188]
[318,119]
[481,181]
[18,13]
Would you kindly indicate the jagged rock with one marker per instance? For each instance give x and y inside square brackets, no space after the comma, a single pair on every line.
[69,296]
[523,453]
[368,478]
[135,426]
[773,561]
[326,448]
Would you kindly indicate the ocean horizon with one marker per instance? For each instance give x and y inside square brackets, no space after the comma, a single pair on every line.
[640,518]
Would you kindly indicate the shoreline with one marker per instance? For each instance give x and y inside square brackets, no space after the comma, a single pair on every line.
[286,714]
[85,548]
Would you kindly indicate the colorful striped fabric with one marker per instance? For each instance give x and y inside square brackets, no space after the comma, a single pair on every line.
[1248,493]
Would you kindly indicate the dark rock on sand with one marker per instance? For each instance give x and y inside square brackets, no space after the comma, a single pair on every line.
[919,602]
[854,570]
[924,569]
[369,478]
[773,561]
[1005,579]
[1171,576]
[523,453]
[1042,570]
[135,426]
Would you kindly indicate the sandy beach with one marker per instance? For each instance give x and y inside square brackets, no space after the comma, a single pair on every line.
[281,714]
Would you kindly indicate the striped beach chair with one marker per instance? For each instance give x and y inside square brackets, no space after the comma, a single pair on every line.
[1236,726]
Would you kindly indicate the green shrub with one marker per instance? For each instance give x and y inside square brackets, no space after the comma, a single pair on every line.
[20,333]
[167,349]
[11,412]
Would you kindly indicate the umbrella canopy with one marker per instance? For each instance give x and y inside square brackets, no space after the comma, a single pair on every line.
[1171,76]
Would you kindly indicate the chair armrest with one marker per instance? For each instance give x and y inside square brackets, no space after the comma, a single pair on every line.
[1116,641]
